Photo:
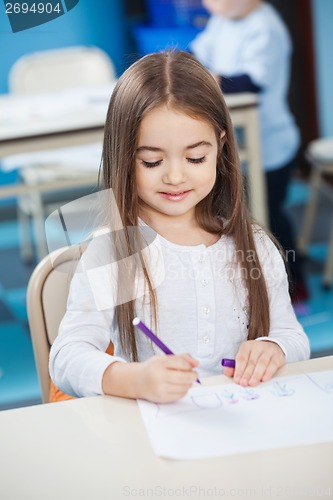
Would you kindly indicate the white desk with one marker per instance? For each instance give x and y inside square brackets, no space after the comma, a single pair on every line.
[72,118]
[244,114]
[97,448]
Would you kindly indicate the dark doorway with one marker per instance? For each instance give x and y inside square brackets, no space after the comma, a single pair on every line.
[298,17]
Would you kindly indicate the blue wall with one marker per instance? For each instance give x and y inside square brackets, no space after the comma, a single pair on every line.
[91,22]
[323,36]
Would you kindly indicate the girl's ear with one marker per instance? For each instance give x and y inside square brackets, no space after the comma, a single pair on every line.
[223,137]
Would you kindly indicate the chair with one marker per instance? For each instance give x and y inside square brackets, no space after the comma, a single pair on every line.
[52,71]
[46,304]
[320,155]
[60,69]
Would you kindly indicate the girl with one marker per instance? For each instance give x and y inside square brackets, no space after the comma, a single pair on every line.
[207,281]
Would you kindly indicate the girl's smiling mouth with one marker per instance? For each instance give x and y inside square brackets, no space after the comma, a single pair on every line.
[178,196]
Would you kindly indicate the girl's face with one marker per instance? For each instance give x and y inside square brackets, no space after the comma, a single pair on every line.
[175,164]
[233,9]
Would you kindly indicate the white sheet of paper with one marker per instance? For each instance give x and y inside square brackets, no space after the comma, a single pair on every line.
[229,419]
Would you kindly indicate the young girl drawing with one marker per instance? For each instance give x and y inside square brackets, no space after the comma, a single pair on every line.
[171,163]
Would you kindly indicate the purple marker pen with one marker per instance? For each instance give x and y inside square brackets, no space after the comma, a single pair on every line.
[228,363]
[138,323]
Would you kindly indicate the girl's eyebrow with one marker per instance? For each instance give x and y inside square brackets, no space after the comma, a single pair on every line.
[191,146]
[200,143]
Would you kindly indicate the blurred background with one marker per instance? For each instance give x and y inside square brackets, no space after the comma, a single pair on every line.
[126,30]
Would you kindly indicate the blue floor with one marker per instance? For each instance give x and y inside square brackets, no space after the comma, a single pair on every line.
[18,378]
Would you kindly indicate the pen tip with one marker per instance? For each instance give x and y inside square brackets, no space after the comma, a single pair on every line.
[136,321]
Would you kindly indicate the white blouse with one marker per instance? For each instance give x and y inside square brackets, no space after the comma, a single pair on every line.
[202,309]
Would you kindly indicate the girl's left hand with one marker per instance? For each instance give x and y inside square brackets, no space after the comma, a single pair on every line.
[256,361]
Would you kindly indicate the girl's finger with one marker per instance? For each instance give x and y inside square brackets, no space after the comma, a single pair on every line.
[261,366]
[181,378]
[194,362]
[271,369]
[248,367]
[242,360]
[229,372]
[179,362]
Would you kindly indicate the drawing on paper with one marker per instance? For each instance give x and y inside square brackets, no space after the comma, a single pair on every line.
[229,396]
[207,401]
[281,390]
[322,380]
[190,404]
[214,400]
[249,394]
[204,424]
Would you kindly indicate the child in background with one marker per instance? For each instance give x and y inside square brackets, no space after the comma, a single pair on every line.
[247,47]
[214,284]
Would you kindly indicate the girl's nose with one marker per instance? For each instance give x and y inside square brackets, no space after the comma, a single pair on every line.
[175,174]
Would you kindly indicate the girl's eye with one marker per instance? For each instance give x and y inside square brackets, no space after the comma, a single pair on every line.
[197,160]
[152,164]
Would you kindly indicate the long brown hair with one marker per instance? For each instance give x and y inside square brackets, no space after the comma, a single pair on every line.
[177,79]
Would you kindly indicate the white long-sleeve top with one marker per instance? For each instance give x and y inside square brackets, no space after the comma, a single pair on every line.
[202,310]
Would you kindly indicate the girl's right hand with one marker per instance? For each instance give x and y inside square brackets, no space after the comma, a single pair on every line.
[163,379]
